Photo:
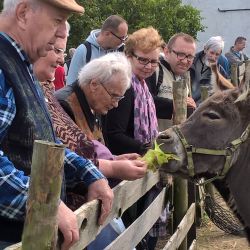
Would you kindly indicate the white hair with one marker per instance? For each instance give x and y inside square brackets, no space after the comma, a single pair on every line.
[67,28]
[105,67]
[215,43]
[9,6]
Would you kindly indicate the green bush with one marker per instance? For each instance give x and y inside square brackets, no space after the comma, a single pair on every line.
[168,16]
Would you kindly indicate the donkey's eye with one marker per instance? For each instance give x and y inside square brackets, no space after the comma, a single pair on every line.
[212,115]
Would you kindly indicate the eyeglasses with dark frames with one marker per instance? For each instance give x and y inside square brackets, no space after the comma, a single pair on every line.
[113,96]
[182,56]
[121,38]
[146,61]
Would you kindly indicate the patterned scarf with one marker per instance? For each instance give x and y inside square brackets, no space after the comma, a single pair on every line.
[66,129]
[145,121]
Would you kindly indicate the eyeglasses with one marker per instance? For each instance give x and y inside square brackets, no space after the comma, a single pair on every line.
[182,56]
[113,96]
[146,61]
[121,38]
[59,51]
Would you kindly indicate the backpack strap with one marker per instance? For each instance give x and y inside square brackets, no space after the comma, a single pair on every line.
[121,49]
[88,54]
[160,79]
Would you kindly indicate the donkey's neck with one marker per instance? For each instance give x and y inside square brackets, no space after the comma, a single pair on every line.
[239,183]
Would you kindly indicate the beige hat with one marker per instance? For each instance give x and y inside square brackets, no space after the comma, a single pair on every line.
[70,5]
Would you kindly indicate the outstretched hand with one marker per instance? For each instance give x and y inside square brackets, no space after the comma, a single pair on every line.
[131,156]
[129,169]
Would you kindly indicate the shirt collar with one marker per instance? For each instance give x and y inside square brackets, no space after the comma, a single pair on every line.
[20,52]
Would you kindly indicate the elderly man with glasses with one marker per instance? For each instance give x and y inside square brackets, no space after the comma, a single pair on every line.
[109,38]
[177,58]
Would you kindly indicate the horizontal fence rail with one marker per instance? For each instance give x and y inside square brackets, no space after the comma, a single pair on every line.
[175,241]
[126,194]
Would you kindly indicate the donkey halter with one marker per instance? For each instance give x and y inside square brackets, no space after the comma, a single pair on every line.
[227,152]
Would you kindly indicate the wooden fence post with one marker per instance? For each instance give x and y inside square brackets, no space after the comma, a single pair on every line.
[180,184]
[40,227]
[247,72]
[234,74]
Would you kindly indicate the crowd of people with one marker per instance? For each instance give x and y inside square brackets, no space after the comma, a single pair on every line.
[107,103]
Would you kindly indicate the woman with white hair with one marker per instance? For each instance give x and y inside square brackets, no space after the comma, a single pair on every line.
[200,71]
[101,84]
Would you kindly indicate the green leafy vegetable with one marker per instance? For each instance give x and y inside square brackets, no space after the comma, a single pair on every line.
[156,157]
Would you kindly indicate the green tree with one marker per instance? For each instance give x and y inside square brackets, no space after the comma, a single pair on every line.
[168,16]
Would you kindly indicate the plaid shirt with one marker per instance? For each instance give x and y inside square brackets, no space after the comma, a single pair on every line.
[13,183]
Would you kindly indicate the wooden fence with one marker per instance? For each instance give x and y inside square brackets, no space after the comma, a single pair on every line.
[239,71]
[125,194]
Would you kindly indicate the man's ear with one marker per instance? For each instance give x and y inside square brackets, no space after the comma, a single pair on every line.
[166,51]
[94,84]
[106,32]
[22,14]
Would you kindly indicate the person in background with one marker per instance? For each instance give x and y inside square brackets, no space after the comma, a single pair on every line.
[109,38]
[200,70]
[24,116]
[68,61]
[174,65]
[223,62]
[132,126]
[59,76]
[235,54]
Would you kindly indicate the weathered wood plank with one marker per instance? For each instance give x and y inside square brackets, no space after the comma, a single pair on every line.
[234,74]
[247,72]
[180,185]
[182,230]
[125,194]
[17,246]
[40,228]
[241,72]
[133,235]
[193,245]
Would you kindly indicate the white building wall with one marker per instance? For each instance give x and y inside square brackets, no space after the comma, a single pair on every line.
[229,25]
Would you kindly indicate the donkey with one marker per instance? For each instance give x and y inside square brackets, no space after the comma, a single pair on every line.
[214,141]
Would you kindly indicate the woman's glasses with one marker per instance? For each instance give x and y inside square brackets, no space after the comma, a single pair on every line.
[146,61]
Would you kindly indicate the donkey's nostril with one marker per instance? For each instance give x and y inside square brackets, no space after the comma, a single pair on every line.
[164,136]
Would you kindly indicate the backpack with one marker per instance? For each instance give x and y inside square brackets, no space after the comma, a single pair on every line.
[88,47]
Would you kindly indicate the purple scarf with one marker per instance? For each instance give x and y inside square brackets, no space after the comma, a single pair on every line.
[145,121]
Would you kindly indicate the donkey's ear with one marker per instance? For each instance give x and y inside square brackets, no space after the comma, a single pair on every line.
[244,91]
[218,81]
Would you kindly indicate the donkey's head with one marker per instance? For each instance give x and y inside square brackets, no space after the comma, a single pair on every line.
[207,135]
